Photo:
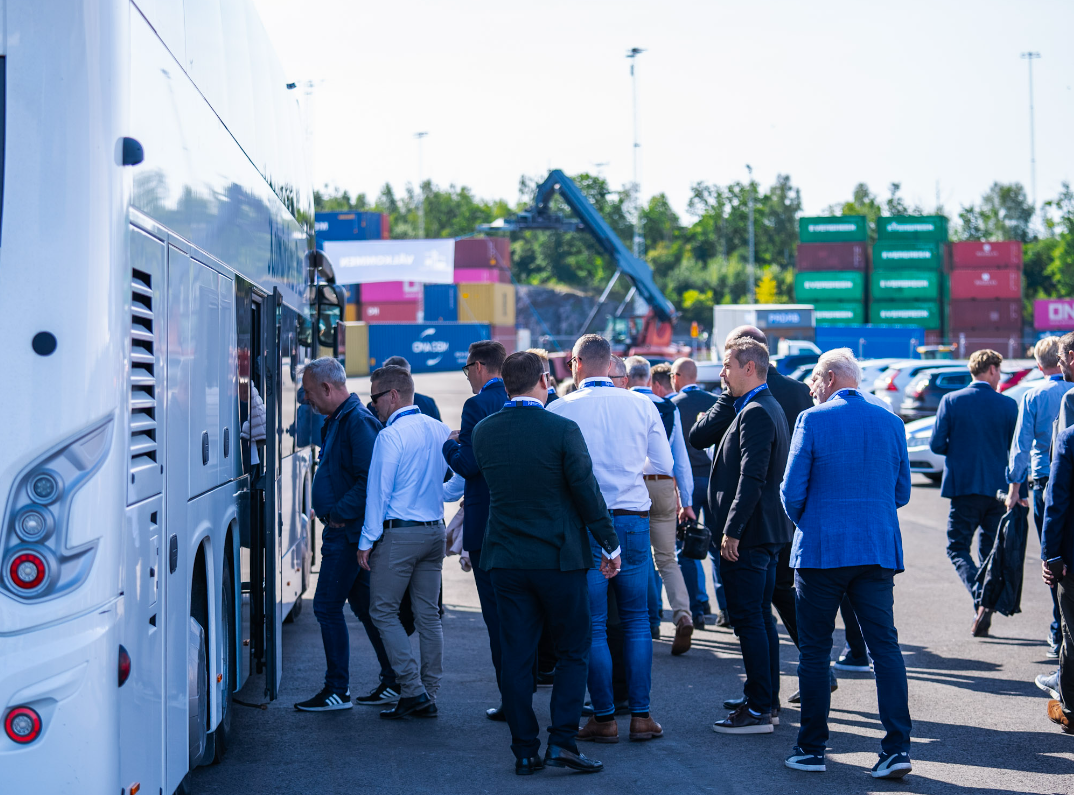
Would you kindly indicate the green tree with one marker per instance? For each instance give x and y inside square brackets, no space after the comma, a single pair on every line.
[1004,213]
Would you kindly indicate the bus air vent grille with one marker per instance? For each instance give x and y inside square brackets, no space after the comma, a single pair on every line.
[143,446]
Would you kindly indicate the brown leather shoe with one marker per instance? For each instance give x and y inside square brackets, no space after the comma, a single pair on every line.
[1056,715]
[981,623]
[683,630]
[593,731]
[645,729]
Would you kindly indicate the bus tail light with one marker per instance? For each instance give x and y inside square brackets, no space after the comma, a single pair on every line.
[27,571]
[124,665]
[22,725]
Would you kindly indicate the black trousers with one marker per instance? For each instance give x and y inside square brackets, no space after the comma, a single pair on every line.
[486,595]
[527,602]
[783,593]
[1065,591]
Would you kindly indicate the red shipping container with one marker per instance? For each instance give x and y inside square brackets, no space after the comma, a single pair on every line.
[385,226]
[390,312]
[483,252]
[391,292]
[482,276]
[933,337]
[1003,254]
[985,315]
[1009,346]
[506,336]
[974,283]
[832,257]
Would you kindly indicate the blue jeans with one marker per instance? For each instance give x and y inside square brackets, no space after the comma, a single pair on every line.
[631,586]
[655,600]
[1054,634]
[818,593]
[750,581]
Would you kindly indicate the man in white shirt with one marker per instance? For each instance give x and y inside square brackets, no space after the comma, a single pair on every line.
[664,514]
[621,429]
[402,541]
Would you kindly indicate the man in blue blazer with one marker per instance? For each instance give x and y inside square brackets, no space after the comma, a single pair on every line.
[1057,552]
[974,429]
[482,370]
[847,474]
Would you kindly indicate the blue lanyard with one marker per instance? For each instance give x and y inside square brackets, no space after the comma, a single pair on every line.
[643,389]
[742,401]
[523,402]
[845,393]
[1056,377]
[404,413]
[490,382]
[598,381]
[690,388]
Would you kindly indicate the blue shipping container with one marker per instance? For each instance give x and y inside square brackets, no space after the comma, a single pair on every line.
[873,341]
[429,347]
[441,302]
[350,225]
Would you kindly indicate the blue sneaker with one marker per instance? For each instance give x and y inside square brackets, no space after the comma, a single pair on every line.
[892,766]
[800,760]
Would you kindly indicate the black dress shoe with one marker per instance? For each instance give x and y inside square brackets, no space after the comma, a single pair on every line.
[426,712]
[528,766]
[546,679]
[734,703]
[496,714]
[406,706]
[555,756]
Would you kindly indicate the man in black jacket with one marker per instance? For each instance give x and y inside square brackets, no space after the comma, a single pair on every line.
[542,497]
[744,502]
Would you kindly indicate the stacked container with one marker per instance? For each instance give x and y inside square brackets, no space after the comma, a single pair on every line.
[352,225]
[906,285]
[986,297]
[832,265]
[390,302]
[485,291]
[483,259]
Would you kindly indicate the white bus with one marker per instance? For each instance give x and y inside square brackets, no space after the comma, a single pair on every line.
[154,268]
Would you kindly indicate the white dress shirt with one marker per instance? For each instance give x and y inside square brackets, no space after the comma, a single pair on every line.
[684,476]
[406,475]
[622,429]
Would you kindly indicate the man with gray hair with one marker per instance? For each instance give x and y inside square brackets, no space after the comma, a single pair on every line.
[665,510]
[426,405]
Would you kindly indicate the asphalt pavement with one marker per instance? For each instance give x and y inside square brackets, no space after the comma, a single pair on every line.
[979,721]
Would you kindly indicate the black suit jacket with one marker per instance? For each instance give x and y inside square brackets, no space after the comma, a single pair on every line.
[692,404]
[748,469]
[792,396]
[542,492]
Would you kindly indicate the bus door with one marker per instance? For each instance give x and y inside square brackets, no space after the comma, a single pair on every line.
[269,486]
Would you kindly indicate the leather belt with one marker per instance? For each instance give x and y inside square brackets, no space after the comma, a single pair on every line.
[658,477]
[621,512]
[1039,483]
[390,523]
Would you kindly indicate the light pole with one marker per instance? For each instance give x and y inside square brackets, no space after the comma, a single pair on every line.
[639,243]
[1030,57]
[750,275]
[421,190]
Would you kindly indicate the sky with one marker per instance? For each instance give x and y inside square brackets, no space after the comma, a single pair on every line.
[933,95]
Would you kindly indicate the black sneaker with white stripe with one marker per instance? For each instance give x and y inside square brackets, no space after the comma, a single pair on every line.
[892,766]
[381,694]
[800,760]
[326,701]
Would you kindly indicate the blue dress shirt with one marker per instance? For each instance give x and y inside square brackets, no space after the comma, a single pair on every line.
[1029,456]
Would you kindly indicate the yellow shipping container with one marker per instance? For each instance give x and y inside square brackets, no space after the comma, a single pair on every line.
[487,303]
[356,348]
[350,313]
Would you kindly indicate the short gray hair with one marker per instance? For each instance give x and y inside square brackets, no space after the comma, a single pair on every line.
[638,368]
[747,349]
[326,370]
[397,361]
[841,362]
[617,368]
[1046,352]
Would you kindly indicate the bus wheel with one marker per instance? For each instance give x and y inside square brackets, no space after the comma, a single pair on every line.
[294,612]
[197,692]
[227,633]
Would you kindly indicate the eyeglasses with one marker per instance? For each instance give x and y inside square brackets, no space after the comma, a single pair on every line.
[466,368]
[615,377]
[378,396]
[571,361]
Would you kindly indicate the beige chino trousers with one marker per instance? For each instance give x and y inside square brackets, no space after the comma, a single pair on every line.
[663,519]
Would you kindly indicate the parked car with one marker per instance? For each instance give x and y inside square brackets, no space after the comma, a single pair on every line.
[891,385]
[708,376]
[924,392]
[872,368]
[802,373]
[1019,372]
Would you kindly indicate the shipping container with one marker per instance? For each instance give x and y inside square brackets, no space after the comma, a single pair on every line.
[393,292]
[349,225]
[389,312]
[839,314]
[828,286]
[506,336]
[832,257]
[833,229]
[1002,254]
[350,313]
[933,337]
[356,347]
[441,303]
[482,276]
[1051,314]
[429,347]
[905,285]
[873,342]
[931,228]
[789,321]
[974,283]
[483,252]
[487,303]
[911,255]
[385,226]
[1009,345]
[996,315]
[918,313]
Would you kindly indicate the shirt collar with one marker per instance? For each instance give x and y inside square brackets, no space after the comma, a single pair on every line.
[643,389]
[551,390]
[523,402]
[597,381]
[403,412]
[670,395]
[690,388]
[491,383]
[845,393]
[1056,377]
[740,403]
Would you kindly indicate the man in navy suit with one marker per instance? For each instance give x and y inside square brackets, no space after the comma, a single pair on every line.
[482,370]
[847,474]
[974,429]
[1057,552]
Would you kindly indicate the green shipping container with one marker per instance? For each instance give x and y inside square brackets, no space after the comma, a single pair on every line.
[911,255]
[917,313]
[912,227]
[813,286]
[905,285]
[839,314]
[833,229]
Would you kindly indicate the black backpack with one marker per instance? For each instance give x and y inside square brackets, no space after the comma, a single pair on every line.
[667,411]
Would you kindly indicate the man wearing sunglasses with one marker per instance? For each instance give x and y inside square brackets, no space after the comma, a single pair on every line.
[482,370]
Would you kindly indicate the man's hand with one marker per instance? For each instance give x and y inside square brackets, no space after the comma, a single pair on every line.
[453,436]
[1012,497]
[333,523]
[1049,576]
[363,558]
[686,512]
[609,567]
[729,549]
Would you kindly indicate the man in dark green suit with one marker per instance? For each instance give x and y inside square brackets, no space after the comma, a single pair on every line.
[543,496]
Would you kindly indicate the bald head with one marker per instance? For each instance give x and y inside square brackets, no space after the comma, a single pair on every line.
[749,332]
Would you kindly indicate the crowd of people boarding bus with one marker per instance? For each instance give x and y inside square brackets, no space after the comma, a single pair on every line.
[575,505]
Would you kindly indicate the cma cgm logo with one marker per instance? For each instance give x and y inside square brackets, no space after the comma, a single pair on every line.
[1061,313]
[433,349]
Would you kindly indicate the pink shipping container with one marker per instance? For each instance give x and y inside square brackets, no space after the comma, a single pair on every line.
[832,257]
[389,312]
[394,292]
[993,315]
[974,283]
[482,276]
[385,226]
[483,252]
[506,336]
[1001,254]
[1053,314]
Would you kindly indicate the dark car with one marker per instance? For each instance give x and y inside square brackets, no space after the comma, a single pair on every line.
[924,393]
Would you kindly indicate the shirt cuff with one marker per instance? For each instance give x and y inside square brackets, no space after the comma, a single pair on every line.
[613,554]
[367,540]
